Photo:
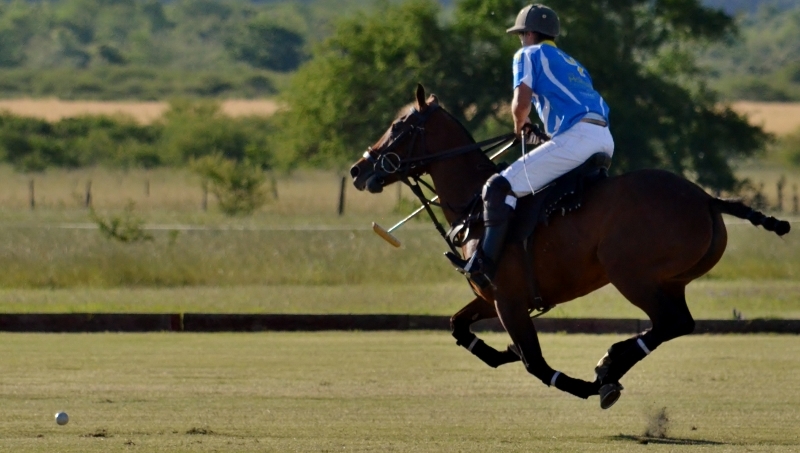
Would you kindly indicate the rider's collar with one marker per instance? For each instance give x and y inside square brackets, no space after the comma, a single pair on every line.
[549,43]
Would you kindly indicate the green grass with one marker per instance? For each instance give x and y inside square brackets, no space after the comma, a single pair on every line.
[408,392]
[708,299]
[35,256]
[296,255]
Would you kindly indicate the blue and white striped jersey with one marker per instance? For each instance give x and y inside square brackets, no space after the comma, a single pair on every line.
[562,88]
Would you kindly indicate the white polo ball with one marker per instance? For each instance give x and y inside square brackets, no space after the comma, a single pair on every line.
[62,418]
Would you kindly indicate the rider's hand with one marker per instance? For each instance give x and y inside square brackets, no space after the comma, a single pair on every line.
[533,135]
[531,132]
[518,128]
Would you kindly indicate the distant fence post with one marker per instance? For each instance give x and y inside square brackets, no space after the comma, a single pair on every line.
[759,199]
[147,188]
[796,207]
[273,185]
[781,184]
[204,202]
[88,200]
[341,195]
[31,195]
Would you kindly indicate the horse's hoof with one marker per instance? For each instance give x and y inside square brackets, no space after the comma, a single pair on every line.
[609,394]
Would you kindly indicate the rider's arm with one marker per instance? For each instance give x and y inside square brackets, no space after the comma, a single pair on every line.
[521,106]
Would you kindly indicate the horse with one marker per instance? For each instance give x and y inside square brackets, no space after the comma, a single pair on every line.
[647,232]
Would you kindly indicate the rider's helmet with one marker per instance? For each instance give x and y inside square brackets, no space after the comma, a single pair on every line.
[538,18]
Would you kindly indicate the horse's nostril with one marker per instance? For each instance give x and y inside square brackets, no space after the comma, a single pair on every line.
[354,171]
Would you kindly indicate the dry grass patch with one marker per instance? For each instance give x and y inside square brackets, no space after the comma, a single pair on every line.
[142,111]
[776,117]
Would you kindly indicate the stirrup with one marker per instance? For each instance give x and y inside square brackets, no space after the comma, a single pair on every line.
[477,277]
[459,263]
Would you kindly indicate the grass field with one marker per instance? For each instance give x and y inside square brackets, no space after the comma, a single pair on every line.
[36,256]
[405,392]
[708,299]
[142,111]
[295,255]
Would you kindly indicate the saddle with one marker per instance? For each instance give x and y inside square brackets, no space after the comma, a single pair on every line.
[565,194]
[562,196]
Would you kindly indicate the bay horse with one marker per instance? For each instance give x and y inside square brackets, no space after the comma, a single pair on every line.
[648,232]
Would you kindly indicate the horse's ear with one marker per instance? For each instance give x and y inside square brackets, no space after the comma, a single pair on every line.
[433,99]
[421,104]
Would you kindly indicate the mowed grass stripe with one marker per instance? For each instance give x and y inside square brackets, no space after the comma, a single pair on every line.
[708,299]
[414,392]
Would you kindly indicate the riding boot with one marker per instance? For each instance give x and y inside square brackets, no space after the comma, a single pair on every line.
[498,204]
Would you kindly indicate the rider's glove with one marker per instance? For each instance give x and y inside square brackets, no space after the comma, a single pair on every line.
[534,135]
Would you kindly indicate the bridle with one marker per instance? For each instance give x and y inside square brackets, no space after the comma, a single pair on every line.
[406,169]
[388,162]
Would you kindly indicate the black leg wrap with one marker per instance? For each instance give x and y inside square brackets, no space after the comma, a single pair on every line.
[481,350]
[621,358]
[463,338]
[578,387]
[541,370]
[492,356]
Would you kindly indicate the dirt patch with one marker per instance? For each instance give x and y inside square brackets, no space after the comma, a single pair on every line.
[657,424]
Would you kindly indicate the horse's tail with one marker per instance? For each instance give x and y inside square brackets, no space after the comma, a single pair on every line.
[741,210]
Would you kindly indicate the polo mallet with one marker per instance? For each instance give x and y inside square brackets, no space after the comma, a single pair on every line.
[387,234]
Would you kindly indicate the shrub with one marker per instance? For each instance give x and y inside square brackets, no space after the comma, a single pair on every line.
[789,146]
[197,129]
[126,228]
[238,186]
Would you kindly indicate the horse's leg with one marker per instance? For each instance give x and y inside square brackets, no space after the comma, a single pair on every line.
[473,312]
[514,316]
[666,307]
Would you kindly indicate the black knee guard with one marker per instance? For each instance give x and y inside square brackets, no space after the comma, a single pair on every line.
[496,210]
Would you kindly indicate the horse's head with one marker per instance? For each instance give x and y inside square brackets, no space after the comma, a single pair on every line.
[395,154]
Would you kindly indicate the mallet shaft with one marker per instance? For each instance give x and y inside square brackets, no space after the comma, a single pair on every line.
[410,216]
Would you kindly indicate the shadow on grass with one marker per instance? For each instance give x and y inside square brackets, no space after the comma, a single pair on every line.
[663,440]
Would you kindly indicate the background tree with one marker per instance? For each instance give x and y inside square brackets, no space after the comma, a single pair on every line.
[267,45]
[765,63]
[638,52]
[359,77]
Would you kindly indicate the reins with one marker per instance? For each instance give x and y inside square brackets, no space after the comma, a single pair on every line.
[415,162]
[390,162]
[426,160]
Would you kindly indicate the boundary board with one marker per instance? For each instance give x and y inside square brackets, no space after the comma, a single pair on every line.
[199,322]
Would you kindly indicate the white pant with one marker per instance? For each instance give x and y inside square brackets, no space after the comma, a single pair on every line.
[561,154]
